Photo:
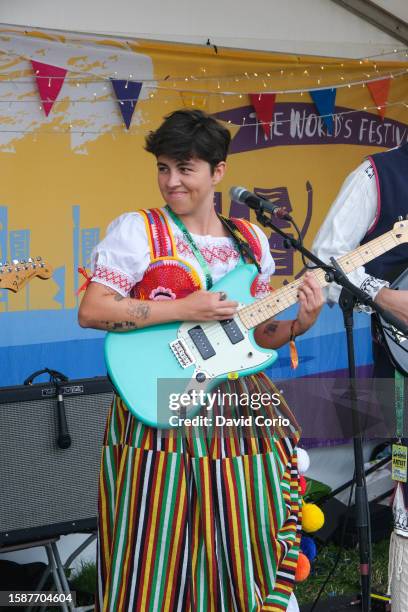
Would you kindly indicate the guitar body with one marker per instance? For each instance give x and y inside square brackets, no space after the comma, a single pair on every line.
[147,365]
[397,346]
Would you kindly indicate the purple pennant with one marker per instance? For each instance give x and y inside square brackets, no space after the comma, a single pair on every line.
[324,100]
[127,93]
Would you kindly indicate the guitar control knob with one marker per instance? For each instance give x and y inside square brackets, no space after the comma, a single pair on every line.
[400,218]
[200,377]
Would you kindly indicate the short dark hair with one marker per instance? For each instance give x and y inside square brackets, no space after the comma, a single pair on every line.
[190,133]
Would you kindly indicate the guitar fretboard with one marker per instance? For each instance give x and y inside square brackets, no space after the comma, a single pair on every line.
[279,300]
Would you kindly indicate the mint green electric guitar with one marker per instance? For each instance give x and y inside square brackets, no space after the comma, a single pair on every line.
[155,367]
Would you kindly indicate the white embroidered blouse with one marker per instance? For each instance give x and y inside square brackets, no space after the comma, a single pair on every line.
[120,260]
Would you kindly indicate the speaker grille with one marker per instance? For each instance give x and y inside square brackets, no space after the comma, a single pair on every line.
[42,485]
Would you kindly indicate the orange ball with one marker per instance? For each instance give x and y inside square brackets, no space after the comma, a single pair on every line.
[303,568]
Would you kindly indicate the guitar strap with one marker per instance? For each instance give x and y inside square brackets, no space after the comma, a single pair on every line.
[242,242]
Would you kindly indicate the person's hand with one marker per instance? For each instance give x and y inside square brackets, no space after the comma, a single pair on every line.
[207,306]
[310,303]
[394,300]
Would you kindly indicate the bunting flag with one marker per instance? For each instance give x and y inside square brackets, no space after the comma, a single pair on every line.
[379,91]
[324,100]
[264,105]
[49,79]
[192,100]
[231,127]
[127,93]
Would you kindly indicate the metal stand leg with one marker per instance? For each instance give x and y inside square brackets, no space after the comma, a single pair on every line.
[78,550]
[56,569]
[53,563]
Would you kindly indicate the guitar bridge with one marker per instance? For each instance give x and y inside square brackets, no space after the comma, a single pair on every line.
[182,353]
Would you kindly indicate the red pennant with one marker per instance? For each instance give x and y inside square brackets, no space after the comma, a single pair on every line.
[379,91]
[264,105]
[49,79]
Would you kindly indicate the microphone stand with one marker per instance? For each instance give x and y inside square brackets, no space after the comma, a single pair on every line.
[349,296]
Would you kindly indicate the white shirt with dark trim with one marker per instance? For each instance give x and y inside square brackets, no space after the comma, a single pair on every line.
[352,214]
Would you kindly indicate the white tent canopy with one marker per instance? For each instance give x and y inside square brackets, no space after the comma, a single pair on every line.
[315,27]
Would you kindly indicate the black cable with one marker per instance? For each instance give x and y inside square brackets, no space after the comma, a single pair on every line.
[337,560]
[370,548]
[307,265]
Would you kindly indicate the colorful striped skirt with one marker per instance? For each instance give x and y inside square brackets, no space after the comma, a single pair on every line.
[199,520]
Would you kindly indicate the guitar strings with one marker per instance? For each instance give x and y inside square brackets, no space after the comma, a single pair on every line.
[288,295]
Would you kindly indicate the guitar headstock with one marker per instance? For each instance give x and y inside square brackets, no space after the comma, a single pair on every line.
[15,275]
[400,230]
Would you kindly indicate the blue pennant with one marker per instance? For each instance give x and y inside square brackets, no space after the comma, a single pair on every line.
[127,93]
[324,100]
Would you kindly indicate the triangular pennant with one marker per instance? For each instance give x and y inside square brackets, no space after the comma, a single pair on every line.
[232,127]
[379,91]
[127,93]
[49,79]
[264,105]
[324,100]
[192,100]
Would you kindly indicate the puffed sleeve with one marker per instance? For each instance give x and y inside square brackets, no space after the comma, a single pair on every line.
[120,260]
[350,217]
[263,286]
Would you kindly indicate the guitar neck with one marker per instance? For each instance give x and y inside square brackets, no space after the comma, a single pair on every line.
[282,298]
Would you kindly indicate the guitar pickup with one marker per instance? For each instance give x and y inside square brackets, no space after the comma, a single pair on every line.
[203,345]
[232,330]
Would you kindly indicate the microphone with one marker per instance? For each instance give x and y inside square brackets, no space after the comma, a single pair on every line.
[240,194]
[63,437]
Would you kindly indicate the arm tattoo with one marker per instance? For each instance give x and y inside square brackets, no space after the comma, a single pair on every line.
[139,311]
[116,296]
[121,326]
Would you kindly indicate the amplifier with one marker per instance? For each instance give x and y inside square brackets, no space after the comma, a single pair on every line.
[47,490]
